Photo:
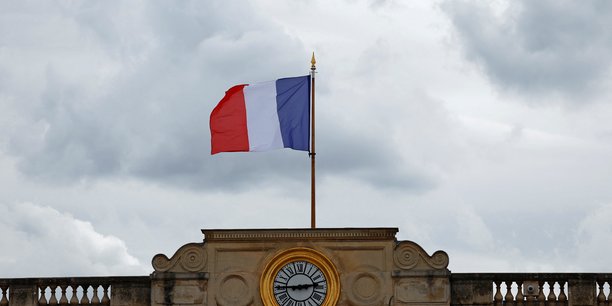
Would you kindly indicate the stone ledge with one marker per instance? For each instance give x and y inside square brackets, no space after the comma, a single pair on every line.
[331,234]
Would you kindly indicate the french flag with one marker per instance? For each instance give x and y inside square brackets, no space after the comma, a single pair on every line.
[263,116]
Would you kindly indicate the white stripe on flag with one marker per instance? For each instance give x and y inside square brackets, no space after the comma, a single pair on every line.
[262,117]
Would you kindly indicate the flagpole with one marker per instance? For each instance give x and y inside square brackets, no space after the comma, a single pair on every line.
[312,154]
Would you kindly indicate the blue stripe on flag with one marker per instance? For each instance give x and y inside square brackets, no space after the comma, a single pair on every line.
[293,105]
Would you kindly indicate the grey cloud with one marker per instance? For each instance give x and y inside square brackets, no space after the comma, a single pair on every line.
[134,96]
[539,47]
[357,155]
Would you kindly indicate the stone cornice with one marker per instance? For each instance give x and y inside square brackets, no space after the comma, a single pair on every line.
[331,234]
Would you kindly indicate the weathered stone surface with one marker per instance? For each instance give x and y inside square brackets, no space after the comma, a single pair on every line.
[581,292]
[171,288]
[471,292]
[422,291]
[23,295]
[131,294]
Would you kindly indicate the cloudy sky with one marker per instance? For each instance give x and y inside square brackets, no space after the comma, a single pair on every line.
[482,128]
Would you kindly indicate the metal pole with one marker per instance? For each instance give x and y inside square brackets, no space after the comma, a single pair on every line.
[313,222]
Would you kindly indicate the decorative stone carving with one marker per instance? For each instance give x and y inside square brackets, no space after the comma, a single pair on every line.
[410,256]
[366,287]
[234,289]
[189,258]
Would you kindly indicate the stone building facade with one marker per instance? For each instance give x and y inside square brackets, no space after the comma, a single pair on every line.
[373,268]
[310,267]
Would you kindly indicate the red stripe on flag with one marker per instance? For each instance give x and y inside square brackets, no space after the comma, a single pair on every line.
[228,123]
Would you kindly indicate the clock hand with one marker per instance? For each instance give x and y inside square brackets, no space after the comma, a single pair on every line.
[297,287]
[301,286]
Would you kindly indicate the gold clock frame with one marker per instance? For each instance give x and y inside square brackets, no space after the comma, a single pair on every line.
[266,283]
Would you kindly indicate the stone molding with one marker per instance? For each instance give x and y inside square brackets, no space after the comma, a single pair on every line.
[334,234]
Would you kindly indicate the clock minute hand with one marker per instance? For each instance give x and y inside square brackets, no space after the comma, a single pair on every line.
[299,287]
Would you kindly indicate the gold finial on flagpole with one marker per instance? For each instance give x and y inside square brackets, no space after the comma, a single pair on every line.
[313,62]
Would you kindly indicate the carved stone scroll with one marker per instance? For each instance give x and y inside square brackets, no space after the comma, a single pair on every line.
[189,258]
[410,256]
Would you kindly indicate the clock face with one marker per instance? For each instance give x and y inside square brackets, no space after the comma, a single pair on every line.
[299,277]
[300,283]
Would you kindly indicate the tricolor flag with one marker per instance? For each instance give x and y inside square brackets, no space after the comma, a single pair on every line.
[263,116]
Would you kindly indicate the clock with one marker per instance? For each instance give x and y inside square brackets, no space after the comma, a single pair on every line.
[300,277]
[300,283]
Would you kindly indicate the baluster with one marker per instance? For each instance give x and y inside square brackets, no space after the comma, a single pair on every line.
[562,297]
[541,297]
[601,297]
[53,298]
[509,298]
[85,298]
[609,299]
[4,300]
[74,300]
[64,296]
[520,298]
[95,299]
[552,297]
[106,299]
[43,299]
[497,298]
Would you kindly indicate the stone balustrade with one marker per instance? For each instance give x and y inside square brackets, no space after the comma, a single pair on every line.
[531,289]
[467,289]
[110,291]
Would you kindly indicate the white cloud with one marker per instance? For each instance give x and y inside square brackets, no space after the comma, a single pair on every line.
[41,241]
